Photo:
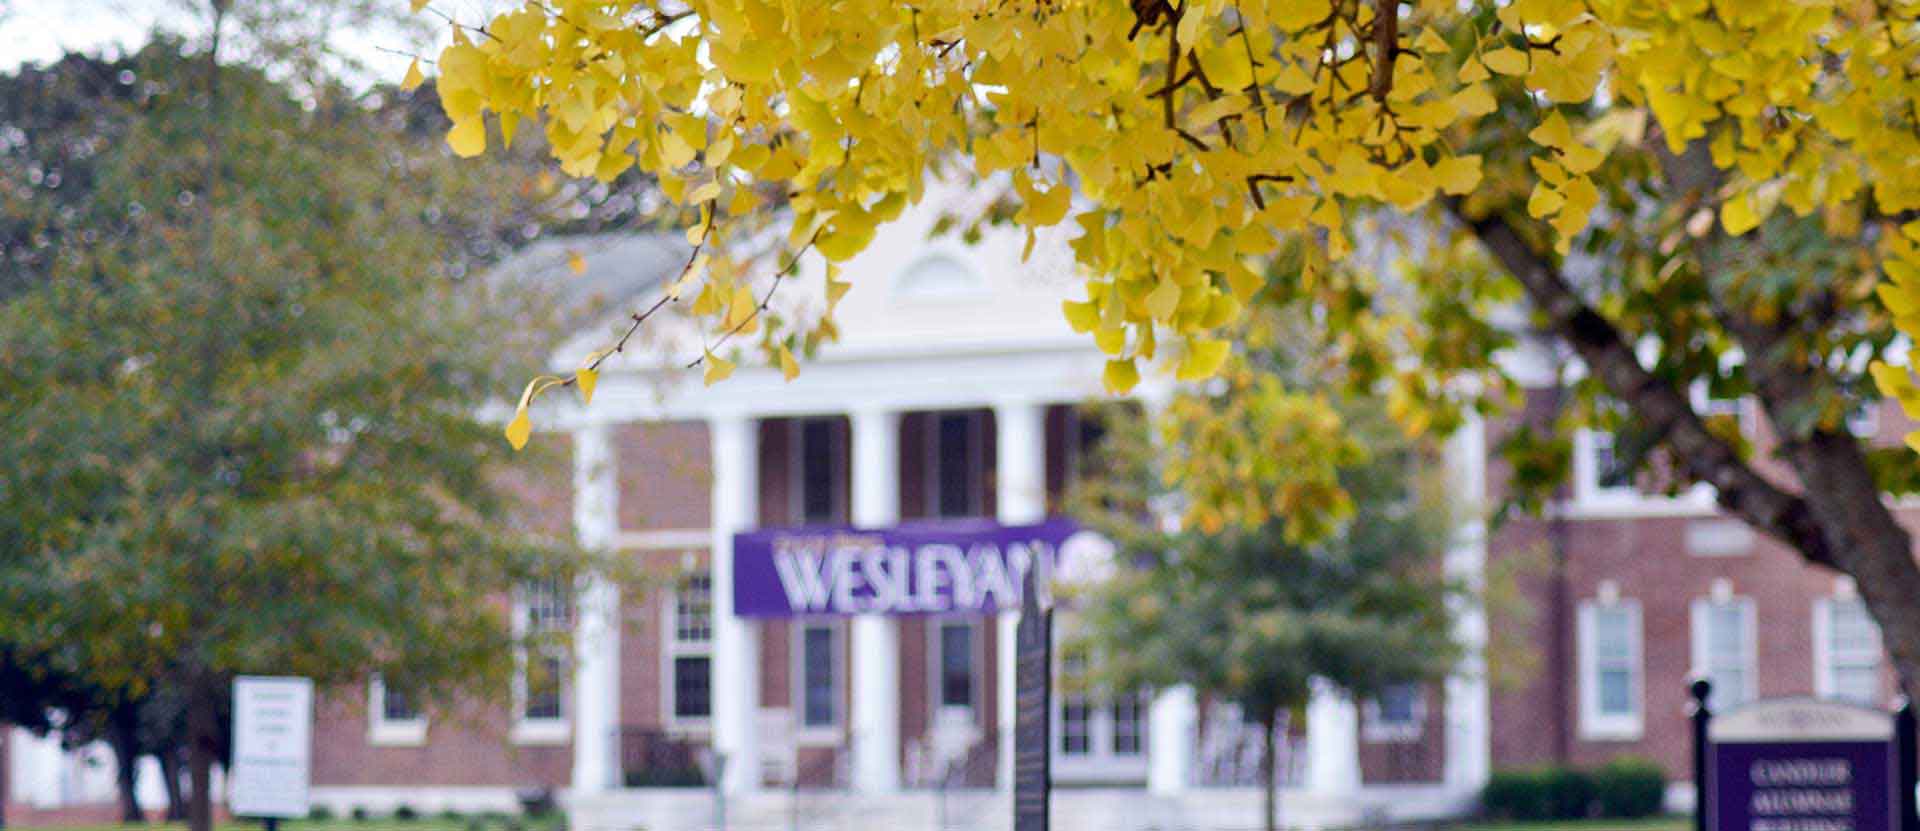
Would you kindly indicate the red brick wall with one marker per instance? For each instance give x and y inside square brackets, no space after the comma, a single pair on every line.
[1647,557]
[468,744]
[663,474]
[1420,760]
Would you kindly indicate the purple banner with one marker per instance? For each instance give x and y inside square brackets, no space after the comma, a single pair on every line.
[1803,786]
[960,567]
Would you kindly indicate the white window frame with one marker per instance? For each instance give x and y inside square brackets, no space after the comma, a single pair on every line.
[937,661]
[1100,765]
[673,647]
[976,462]
[535,731]
[388,732]
[817,734]
[796,468]
[1587,489]
[1594,724]
[1375,727]
[1864,421]
[1697,618]
[1824,664]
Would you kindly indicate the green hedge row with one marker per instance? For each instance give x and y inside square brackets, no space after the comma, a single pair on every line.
[1624,788]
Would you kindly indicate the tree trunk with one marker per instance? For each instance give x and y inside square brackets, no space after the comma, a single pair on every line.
[126,760]
[203,740]
[1269,773]
[170,782]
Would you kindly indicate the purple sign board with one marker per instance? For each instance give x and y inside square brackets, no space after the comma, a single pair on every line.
[1802,765]
[945,567]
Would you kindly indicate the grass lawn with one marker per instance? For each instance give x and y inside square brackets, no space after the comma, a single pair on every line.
[1680,823]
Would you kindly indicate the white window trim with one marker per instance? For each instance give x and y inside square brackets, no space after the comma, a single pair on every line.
[1591,501]
[937,661]
[1594,725]
[672,647]
[976,462]
[1374,728]
[1864,423]
[1823,667]
[815,734]
[386,732]
[1697,617]
[533,731]
[796,467]
[1099,766]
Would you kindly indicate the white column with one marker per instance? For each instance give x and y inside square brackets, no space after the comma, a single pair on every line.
[596,636]
[1020,468]
[1170,738]
[1333,741]
[876,639]
[735,441]
[1469,738]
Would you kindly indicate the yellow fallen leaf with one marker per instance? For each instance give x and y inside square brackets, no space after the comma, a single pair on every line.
[576,263]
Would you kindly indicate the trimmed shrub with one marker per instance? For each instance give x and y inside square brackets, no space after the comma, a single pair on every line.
[1516,795]
[1629,787]
[405,813]
[1569,794]
[360,813]
[1538,794]
[320,813]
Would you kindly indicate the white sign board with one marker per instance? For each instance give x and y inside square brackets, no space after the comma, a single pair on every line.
[272,746]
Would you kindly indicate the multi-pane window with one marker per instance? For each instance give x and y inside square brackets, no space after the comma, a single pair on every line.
[690,650]
[1397,713]
[547,606]
[1612,662]
[1610,669]
[1610,469]
[1851,653]
[1076,709]
[397,705]
[1128,726]
[818,462]
[819,675]
[956,664]
[1724,650]
[956,456]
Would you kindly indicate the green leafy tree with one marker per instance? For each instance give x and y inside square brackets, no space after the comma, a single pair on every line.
[241,415]
[1253,614]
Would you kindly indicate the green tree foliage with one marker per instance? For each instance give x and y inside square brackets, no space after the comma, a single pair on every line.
[241,397]
[1251,614]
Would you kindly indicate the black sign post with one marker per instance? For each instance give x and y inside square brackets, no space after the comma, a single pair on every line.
[1032,710]
[1802,763]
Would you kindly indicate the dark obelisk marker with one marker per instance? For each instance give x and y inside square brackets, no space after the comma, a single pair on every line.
[1032,710]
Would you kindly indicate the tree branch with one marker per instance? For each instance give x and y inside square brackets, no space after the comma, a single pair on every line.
[1659,405]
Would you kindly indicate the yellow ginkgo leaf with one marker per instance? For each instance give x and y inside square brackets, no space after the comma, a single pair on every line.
[1203,359]
[1430,41]
[576,263]
[1507,61]
[418,5]
[1121,376]
[468,137]
[718,368]
[789,368]
[1738,215]
[519,429]
[1081,316]
[413,78]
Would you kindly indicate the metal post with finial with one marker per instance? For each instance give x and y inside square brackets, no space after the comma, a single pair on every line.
[1701,714]
[1905,763]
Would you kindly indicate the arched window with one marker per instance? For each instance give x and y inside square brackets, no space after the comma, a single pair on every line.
[938,275]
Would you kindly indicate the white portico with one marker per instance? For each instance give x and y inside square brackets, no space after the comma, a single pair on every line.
[934,327]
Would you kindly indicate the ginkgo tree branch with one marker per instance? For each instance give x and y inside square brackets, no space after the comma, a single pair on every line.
[778,277]
[1658,404]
